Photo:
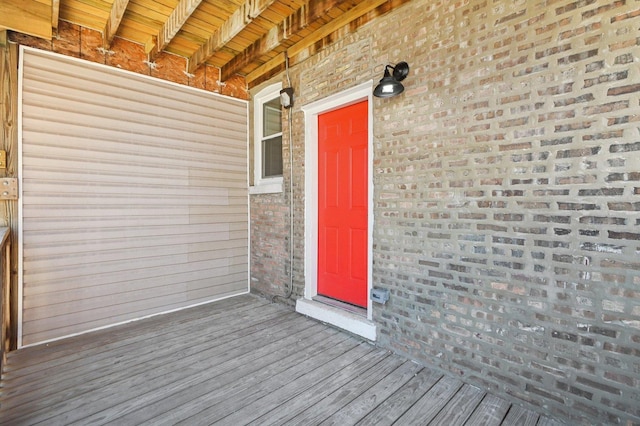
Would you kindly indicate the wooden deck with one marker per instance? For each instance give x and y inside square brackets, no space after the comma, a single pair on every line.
[238,361]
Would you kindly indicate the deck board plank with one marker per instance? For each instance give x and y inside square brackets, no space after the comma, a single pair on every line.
[546,421]
[124,360]
[460,407]
[343,368]
[231,399]
[234,362]
[519,416]
[185,370]
[51,357]
[63,407]
[374,396]
[179,404]
[490,412]
[65,348]
[313,405]
[93,362]
[398,403]
[221,377]
[433,402]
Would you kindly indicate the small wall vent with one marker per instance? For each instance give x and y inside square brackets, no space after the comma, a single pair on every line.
[379,295]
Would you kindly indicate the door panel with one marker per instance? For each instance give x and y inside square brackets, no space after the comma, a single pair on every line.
[343,204]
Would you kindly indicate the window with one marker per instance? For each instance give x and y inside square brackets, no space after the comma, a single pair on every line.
[268,140]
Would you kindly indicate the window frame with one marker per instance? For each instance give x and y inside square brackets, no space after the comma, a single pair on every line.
[270,184]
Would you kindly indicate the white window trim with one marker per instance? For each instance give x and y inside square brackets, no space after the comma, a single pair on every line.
[263,185]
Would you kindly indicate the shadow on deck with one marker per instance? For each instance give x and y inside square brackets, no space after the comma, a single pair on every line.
[237,361]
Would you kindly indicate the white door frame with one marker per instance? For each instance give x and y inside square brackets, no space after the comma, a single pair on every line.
[341,318]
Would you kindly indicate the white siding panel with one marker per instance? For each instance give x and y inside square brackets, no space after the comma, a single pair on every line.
[133,196]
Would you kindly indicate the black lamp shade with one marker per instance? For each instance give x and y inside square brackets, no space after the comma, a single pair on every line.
[390,85]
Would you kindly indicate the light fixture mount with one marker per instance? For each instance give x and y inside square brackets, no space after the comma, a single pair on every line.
[400,71]
[390,84]
[286,97]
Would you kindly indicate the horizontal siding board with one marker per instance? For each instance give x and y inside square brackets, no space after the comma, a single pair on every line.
[208,175]
[213,210]
[123,244]
[237,256]
[134,194]
[196,243]
[114,158]
[46,263]
[88,275]
[137,296]
[101,188]
[195,177]
[40,89]
[208,293]
[226,280]
[122,168]
[159,276]
[126,310]
[74,113]
[84,258]
[108,222]
[82,235]
[44,298]
[124,86]
[172,237]
[47,135]
[92,320]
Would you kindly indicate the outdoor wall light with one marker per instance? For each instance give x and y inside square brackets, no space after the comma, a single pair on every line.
[390,84]
[286,97]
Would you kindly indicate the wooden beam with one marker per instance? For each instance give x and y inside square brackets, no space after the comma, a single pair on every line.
[242,17]
[170,28]
[113,22]
[309,13]
[9,208]
[31,17]
[55,13]
[344,19]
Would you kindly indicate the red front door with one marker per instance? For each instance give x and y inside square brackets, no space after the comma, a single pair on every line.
[343,204]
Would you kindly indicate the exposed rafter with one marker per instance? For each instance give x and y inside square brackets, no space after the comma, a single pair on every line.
[344,19]
[31,17]
[242,17]
[176,20]
[55,13]
[310,12]
[235,36]
[115,17]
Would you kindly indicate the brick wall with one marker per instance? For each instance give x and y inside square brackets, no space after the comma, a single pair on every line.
[85,43]
[269,244]
[507,194]
[270,223]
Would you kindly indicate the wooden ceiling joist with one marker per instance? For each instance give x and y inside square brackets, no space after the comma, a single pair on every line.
[237,36]
[242,17]
[176,20]
[31,17]
[308,14]
[115,17]
[55,13]
[344,19]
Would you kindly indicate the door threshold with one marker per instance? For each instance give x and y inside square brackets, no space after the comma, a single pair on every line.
[345,319]
[341,305]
